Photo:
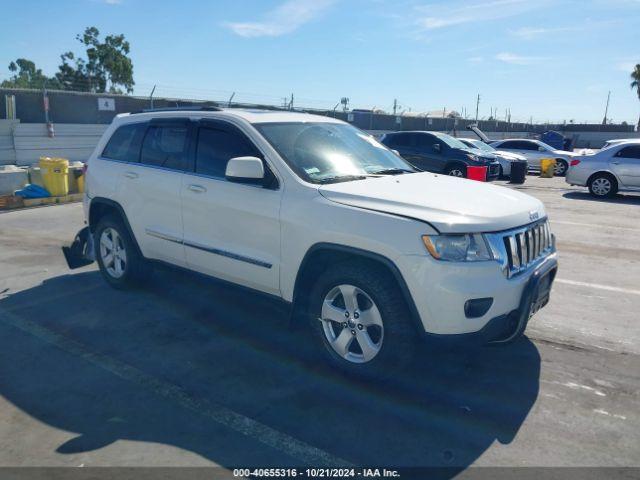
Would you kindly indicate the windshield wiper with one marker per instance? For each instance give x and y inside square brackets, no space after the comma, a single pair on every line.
[343,178]
[392,171]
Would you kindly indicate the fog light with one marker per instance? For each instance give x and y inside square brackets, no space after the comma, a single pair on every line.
[477,307]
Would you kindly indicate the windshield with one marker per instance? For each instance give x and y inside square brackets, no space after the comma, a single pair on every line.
[328,152]
[451,141]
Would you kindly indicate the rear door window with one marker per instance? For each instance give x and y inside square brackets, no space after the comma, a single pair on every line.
[508,145]
[518,145]
[630,152]
[524,145]
[165,146]
[124,144]
[402,140]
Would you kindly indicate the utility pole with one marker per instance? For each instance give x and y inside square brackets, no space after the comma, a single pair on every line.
[606,109]
[395,105]
[151,97]
[231,98]
[477,106]
[291,103]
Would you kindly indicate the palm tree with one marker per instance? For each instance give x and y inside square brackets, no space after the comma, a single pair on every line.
[635,75]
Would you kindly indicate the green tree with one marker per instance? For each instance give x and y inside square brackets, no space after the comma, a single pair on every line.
[107,67]
[635,83]
[26,75]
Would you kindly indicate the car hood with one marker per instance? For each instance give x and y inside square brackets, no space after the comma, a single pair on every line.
[484,156]
[450,204]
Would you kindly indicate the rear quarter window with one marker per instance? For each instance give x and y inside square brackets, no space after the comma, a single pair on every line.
[124,144]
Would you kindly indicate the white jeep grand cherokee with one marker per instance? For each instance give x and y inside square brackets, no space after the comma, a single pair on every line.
[373,254]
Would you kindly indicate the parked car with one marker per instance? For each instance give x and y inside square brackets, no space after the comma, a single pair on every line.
[320,215]
[440,153]
[615,141]
[534,151]
[504,158]
[608,171]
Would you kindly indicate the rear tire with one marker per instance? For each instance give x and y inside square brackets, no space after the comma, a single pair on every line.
[121,265]
[603,185]
[560,170]
[361,322]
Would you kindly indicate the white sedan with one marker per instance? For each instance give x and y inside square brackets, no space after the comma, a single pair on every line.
[611,170]
[534,151]
[505,158]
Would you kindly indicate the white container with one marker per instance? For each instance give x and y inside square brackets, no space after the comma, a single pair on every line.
[12,178]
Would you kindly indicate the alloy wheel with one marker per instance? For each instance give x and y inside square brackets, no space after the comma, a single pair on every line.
[352,324]
[113,253]
[456,172]
[560,168]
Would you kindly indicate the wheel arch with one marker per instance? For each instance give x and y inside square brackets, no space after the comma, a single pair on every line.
[321,255]
[100,207]
[454,163]
[608,173]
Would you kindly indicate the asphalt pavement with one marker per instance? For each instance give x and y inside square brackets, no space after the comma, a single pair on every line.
[188,372]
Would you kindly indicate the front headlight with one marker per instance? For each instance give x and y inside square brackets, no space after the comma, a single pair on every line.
[458,248]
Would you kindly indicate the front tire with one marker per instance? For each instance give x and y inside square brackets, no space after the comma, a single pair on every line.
[459,171]
[603,185]
[120,263]
[361,322]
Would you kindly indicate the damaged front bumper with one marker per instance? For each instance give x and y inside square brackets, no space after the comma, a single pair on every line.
[81,252]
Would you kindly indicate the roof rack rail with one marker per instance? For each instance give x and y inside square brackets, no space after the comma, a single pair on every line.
[179,109]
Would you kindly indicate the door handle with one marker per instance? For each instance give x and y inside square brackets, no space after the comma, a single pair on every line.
[197,188]
[616,163]
[131,175]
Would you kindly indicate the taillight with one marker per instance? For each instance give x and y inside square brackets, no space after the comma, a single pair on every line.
[574,162]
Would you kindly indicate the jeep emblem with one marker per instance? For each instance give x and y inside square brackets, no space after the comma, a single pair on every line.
[533,215]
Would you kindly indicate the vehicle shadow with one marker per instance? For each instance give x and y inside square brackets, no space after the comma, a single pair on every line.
[628,199]
[223,346]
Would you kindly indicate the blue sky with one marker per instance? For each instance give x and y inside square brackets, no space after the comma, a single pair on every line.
[550,60]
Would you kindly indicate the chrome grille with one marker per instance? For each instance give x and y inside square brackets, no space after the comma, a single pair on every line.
[527,245]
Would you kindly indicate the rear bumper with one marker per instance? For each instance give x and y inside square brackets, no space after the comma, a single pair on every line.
[577,176]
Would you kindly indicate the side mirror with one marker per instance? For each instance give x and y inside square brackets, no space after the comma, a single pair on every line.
[541,149]
[437,147]
[245,170]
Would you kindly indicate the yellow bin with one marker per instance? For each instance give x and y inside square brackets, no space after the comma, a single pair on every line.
[547,167]
[54,175]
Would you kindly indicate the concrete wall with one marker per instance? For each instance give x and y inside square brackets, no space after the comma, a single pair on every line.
[71,141]
[29,142]
[81,107]
[7,151]
[79,123]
